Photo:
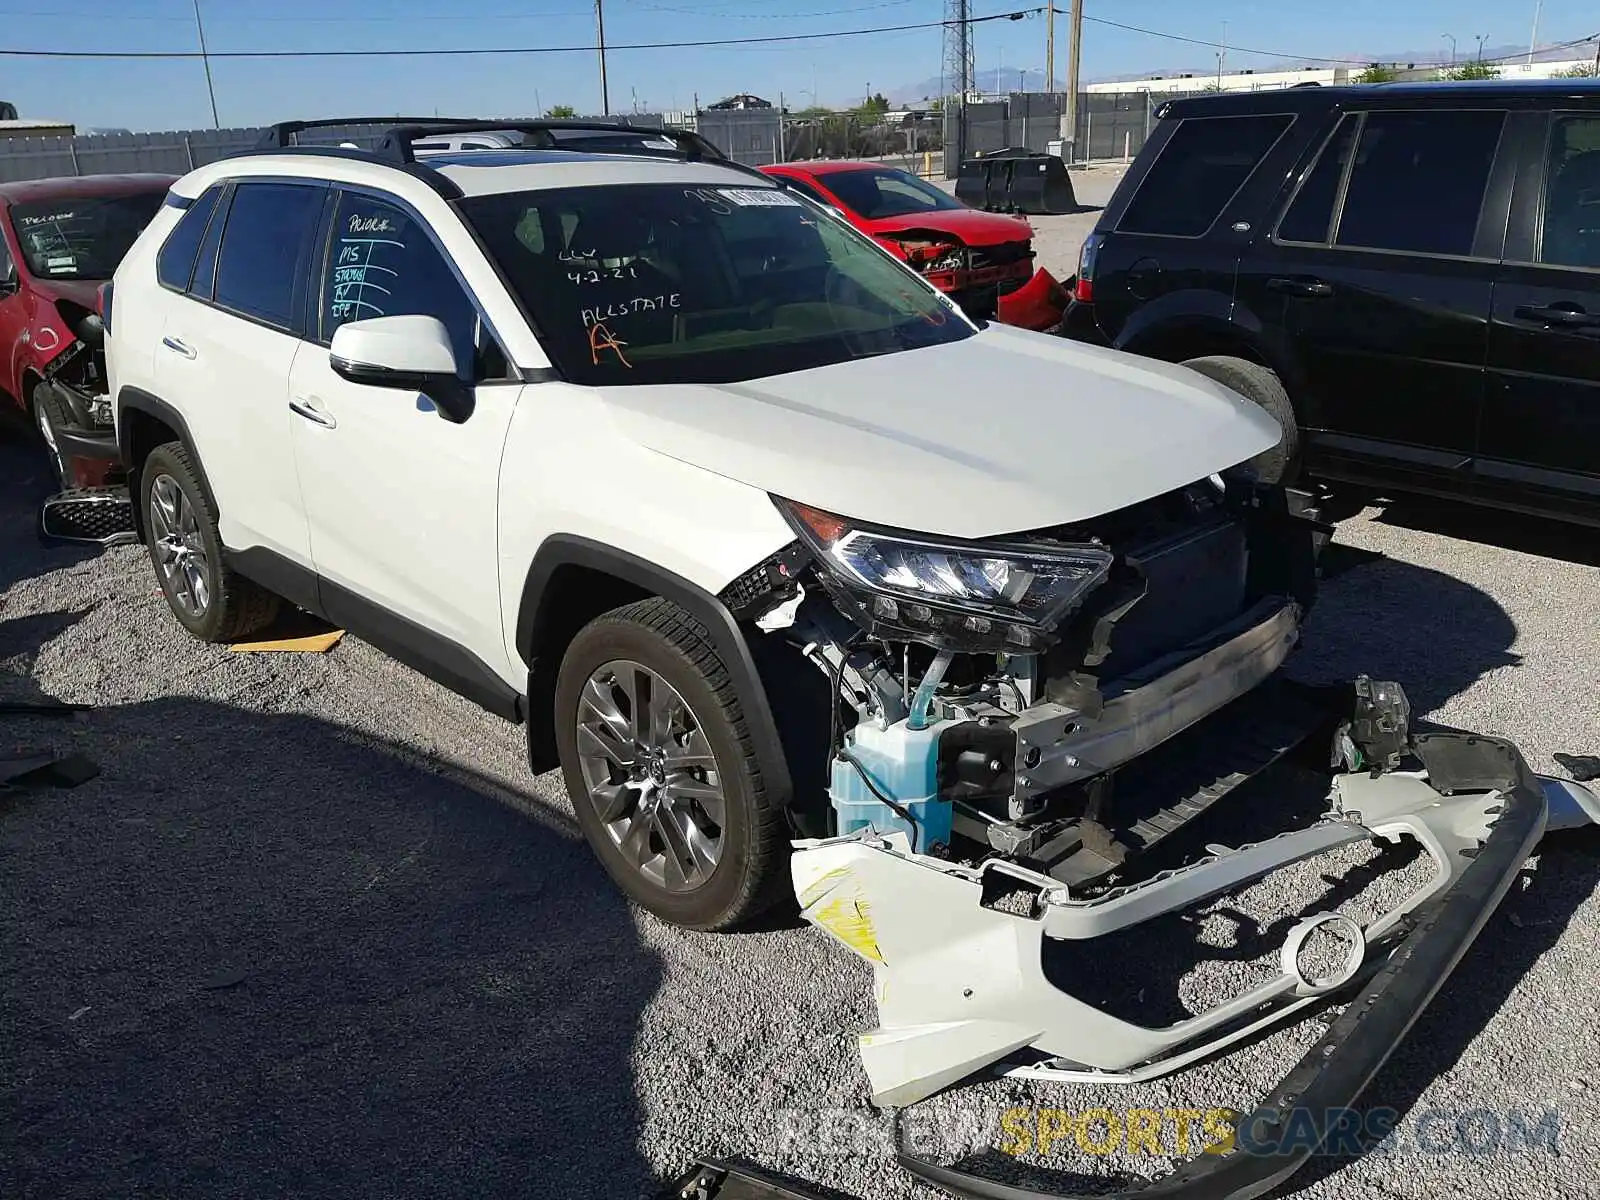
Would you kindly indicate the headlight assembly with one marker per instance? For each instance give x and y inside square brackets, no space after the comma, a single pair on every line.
[1000,595]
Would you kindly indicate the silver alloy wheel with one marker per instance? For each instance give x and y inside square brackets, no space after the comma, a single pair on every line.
[180,552]
[651,775]
[47,431]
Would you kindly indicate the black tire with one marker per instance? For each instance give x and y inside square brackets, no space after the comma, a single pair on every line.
[749,876]
[1261,385]
[235,607]
[51,413]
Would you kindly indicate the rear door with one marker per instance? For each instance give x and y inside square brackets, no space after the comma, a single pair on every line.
[1540,444]
[1379,275]
[224,360]
[1173,241]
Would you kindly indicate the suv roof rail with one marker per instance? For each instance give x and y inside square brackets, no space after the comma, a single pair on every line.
[397,142]
[281,135]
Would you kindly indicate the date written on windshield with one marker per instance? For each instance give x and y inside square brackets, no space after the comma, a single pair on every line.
[608,312]
[595,276]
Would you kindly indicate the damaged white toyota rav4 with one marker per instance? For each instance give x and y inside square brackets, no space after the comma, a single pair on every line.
[807,582]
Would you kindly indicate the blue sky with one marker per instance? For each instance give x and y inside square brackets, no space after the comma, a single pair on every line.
[144,95]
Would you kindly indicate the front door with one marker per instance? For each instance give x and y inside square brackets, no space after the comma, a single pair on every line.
[402,504]
[1380,274]
[1541,422]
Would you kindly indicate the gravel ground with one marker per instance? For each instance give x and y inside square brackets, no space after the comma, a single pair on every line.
[315,931]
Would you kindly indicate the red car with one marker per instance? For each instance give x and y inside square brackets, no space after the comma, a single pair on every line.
[983,260]
[63,238]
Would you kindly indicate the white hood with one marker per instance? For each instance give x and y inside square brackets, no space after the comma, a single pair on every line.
[1002,432]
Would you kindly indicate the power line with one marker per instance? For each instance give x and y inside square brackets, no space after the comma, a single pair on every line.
[483,51]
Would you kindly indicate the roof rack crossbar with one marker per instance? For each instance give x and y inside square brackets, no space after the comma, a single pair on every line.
[281,135]
[397,142]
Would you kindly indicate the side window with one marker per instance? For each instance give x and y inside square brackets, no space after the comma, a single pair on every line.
[175,260]
[205,267]
[1311,211]
[1572,193]
[1419,180]
[268,237]
[8,270]
[382,263]
[1202,167]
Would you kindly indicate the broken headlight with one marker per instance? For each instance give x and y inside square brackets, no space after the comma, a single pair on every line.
[973,595]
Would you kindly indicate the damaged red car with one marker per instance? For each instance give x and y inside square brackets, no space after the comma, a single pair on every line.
[985,261]
[63,238]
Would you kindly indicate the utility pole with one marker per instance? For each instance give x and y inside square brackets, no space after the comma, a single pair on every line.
[600,26]
[1533,38]
[206,60]
[1222,54]
[1050,48]
[1451,38]
[1069,117]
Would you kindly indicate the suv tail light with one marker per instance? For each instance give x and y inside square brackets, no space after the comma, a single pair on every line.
[103,295]
[1083,290]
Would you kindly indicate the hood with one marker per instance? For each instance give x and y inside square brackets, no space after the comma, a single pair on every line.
[1002,432]
[971,226]
[78,291]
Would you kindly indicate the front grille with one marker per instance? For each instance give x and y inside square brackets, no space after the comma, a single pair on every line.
[1001,255]
[102,516]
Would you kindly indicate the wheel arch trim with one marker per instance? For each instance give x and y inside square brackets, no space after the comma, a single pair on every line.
[571,550]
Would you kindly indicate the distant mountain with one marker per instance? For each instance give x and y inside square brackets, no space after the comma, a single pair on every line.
[1007,80]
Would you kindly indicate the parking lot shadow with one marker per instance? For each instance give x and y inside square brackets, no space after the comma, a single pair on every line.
[1493,527]
[264,955]
[25,482]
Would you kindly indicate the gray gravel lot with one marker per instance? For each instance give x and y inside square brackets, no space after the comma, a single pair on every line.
[315,931]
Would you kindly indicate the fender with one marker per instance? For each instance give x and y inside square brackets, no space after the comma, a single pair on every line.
[564,550]
[132,399]
[1213,315]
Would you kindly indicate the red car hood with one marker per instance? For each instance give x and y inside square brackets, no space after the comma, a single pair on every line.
[78,291]
[971,226]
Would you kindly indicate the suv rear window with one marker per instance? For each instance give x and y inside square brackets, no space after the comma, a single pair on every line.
[175,262]
[1202,166]
[662,283]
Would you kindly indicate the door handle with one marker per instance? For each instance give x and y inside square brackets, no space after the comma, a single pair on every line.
[1299,287]
[301,406]
[1554,314]
[183,348]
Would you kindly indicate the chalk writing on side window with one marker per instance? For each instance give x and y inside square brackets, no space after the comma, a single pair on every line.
[362,282]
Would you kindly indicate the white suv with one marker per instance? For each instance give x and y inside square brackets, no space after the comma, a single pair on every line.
[758,534]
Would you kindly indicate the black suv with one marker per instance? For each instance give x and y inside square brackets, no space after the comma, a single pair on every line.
[1407,273]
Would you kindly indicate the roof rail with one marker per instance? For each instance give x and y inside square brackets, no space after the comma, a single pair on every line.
[281,135]
[397,142]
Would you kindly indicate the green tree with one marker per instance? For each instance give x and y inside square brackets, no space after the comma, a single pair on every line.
[561,112]
[1473,70]
[874,108]
[1378,73]
[1576,71]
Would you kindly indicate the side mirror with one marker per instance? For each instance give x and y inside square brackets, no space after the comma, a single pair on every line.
[410,353]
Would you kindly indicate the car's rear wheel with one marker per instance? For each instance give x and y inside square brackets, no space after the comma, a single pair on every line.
[210,600]
[1261,385]
[659,763]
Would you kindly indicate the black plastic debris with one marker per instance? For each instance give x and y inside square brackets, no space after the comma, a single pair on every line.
[46,771]
[1582,767]
[716,1179]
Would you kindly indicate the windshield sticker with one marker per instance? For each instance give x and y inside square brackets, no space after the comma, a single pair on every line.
[601,338]
[63,262]
[760,197]
[594,316]
[660,143]
[711,200]
[49,218]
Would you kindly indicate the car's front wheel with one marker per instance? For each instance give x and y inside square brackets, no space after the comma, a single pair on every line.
[210,600]
[658,761]
[1261,385]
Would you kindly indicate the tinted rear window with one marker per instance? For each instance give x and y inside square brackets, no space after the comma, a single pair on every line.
[175,263]
[1419,180]
[1201,168]
[263,247]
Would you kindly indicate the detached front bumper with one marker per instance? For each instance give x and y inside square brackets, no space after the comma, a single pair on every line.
[960,986]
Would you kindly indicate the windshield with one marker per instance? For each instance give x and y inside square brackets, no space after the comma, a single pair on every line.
[885,192]
[81,237]
[661,283]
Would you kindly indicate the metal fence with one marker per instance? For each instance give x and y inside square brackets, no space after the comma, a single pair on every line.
[1110,125]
